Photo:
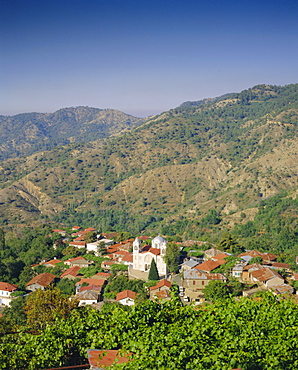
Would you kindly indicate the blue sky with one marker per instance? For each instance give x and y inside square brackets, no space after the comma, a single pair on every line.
[141,57]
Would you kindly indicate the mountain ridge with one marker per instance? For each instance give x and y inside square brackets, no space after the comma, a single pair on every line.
[226,155]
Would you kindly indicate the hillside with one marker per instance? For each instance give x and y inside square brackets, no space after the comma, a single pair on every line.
[226,154]
[27,133]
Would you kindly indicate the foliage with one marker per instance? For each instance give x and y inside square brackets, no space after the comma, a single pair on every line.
[172,256]
[228,244]
[256,260]
[216,290]
[45,306]
[121,282]
[153,272]
[90,237]
[247,334]
[66,286]
[119,267]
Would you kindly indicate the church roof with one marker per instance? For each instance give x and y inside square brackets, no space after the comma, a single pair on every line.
[159,239]
[155,251]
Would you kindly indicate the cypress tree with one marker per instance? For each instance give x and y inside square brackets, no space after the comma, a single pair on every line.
[153,272]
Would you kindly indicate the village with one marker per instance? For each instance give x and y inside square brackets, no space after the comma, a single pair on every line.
[134,258]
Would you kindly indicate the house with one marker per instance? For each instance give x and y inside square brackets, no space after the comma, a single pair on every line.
[51,263]
[163,287]
[248,269]
[87,297]
[71,273]
[221,258]
[76,228]
[127,259]
[189,264]
[267,276]
[78,244]
[58,231]
[194,281]
[142,256]
[267,257]
[126,297]
[89,281]
[78,261]
[101,275]
[102,359]
[212,252]
[208,265]
[5,293]
[282,289]
[237,271]
[106,265]
[41,281]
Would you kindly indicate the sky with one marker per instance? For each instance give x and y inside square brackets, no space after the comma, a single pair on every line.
[141,57]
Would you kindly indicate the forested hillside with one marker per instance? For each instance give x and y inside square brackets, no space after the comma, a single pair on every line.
[27,133]
[200,168]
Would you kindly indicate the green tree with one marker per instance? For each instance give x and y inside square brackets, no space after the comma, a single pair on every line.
[67,286]
[216,290]
[90,237]
[153,272]
[2,240]
[228,244]
[256,260]
[44,306]
[172,256]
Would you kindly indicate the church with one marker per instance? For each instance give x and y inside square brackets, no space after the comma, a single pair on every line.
[142,257]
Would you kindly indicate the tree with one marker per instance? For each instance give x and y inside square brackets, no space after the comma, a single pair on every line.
[228,244]
[153,272]
[44,306]
[67,286]
[216,290]
[256,260]
[90,237]
[2,240]
[172,256]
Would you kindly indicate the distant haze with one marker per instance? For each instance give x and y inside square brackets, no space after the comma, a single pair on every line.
[141,57]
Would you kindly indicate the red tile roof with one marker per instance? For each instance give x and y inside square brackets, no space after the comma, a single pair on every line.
[220,258]
[112,248]
[128,258]
[77,242]
[90,281]
[7,287]
[125,294]
[51,262]
[255,253]
[161,283]
[96,288]
[280,265]
[265,274]
[150,249]
[44,279]
[72,271]
[105,358]
[102,275]
[76,227]
[90,229]
[75,259]
[208,265]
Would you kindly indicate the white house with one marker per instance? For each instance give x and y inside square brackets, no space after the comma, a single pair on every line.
[5,291]
[142,257]
[126,297]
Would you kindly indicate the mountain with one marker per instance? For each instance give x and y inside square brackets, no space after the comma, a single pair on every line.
[26,133]
[197,165]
